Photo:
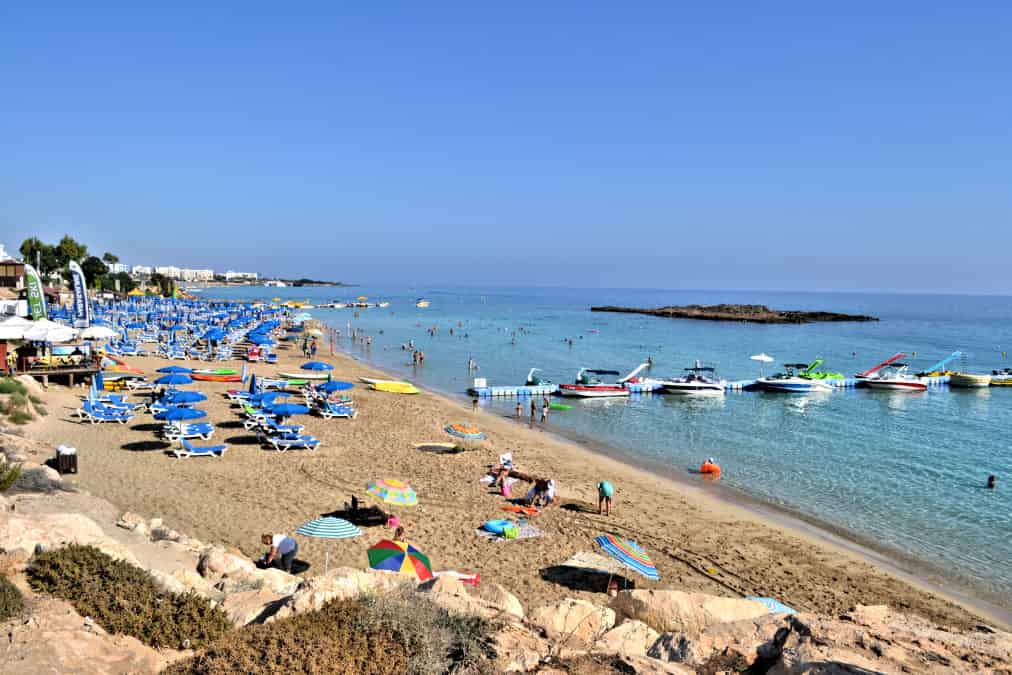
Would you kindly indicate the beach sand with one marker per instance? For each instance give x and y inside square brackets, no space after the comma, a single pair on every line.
[698,542]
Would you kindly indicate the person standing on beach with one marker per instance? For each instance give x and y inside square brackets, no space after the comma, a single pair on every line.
[474,404]
[605,491]
[534,412]
[544,411]
[520,409]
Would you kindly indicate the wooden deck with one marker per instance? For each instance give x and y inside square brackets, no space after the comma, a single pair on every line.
[70,372]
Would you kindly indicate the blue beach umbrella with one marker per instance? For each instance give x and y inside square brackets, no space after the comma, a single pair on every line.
[134,325]
[214,335]
[316,365]
[259,340]
[184,397]
[174,379]
[253,384]
[178,414]
[175,369]
[334,385]
[288,409]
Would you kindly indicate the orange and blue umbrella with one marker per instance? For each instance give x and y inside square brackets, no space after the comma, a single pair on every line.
[629,554]
[392,491]
[399,557]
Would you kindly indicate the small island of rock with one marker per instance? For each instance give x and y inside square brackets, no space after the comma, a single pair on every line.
[745,313]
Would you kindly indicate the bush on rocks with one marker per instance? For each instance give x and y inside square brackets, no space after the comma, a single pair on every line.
[378,635]
[125,599]
[11,602]
[9,474]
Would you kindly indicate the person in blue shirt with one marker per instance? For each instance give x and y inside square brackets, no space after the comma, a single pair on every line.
[605,492]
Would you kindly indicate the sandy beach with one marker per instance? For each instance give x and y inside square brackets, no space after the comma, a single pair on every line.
[698,542]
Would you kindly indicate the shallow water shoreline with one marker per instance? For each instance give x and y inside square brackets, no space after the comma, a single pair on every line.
[917,573]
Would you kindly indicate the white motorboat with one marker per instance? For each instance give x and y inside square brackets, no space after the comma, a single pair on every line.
[894,377]
[588,385]
[698,380]
[791,383]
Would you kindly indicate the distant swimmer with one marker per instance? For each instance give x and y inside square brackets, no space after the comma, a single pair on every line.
[991,481]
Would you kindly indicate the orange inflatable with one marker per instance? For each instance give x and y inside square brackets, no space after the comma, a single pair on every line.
[710,469]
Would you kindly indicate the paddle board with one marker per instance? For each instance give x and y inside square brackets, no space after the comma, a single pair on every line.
[396,387]
[307,375]
[560,406]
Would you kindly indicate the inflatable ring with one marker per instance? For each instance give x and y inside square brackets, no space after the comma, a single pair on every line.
[496,526]
[465,431]
[711,469]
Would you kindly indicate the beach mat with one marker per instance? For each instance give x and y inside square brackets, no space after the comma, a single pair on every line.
[526,532]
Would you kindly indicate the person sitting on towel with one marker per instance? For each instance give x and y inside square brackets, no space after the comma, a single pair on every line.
[282,551]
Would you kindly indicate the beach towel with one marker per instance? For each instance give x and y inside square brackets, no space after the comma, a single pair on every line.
[525,531]
[774,605]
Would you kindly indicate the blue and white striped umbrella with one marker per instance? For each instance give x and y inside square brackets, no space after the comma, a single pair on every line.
[328,527]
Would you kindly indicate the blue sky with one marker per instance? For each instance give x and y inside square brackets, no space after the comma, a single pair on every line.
[865,147]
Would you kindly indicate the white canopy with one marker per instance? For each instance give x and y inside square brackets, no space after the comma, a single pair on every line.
[45,330]
[98,333]
[764,358]
[14,328]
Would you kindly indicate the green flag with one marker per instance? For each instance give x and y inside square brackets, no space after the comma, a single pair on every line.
[36,298]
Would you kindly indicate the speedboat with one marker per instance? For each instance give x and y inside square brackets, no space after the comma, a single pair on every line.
[422,303]
[812,373]
[895,377]
[1001,378]
[789,382]
[588,385]
[969,380]
[697,381]
[383,305]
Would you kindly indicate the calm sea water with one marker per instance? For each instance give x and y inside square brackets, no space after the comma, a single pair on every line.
[905,471]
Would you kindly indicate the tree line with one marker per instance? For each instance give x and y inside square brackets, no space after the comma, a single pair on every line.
[54,259]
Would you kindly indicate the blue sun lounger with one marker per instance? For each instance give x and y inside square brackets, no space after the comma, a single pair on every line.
[96,413]
[283,443]
[329,410]
[190,450]
[177,432]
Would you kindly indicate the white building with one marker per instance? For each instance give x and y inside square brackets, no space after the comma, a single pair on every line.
[169,271]
[187,274]
[116,268]
[241,276]
[138,270]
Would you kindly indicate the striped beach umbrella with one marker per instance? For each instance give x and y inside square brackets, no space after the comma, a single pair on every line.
[392,491]
[465,431]
[629,554]
[328,527]
[399,557]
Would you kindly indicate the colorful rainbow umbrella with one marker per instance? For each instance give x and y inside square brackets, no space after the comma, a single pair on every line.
[392,491]
[464,431]
[629,554]
[400,557]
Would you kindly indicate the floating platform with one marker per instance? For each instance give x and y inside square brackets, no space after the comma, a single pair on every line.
[521,391]
[839,383]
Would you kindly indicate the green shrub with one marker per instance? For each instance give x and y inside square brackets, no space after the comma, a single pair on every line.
[399,633]
[40,410]
[125,599]
[9,385]
[20,417]
[35,399]
[11,602]
[9,474]
[19,400]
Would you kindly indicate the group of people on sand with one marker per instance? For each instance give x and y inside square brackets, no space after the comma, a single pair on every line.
[309,347]
[546,406]
[543,493]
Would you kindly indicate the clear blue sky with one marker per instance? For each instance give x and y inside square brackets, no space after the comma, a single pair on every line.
[792,145]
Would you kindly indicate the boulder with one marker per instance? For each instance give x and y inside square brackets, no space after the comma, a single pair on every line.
[59,640]
[163,533]
[341,583]
[272,579]
[518,649]
[130,521]
[489,601]
[630,638]
[735,638]
[191,581]
[53,530]
[251,606]
[216,561]
[669,611]
[31,385]
[573,622]
[37,478]
[643,665]
[167,582]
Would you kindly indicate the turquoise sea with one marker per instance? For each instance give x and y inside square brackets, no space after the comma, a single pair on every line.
[900,472]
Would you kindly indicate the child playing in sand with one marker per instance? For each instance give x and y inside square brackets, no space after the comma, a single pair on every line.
[605,491]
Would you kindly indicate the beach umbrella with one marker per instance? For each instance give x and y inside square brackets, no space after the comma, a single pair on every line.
[629,554]
[98,333]
[253,384]
[178,414]
[328,527]
[334,385]
[259,340]
[214,334]
[392,491]
[14,328]
[174,379]
[184,397]
[134,325]
[45,330]
[464,431]
[174,328]
[175,369]
[316,365]
[288,409]
[762,358]
[400,557]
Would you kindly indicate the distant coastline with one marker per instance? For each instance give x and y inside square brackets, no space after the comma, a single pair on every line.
[745,313]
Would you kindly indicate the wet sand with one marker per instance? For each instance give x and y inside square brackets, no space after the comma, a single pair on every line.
[698,541]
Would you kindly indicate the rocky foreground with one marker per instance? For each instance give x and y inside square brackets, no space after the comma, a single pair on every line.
[637,631]
[745,313]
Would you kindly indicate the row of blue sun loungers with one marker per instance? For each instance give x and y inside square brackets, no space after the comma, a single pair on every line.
[96,412]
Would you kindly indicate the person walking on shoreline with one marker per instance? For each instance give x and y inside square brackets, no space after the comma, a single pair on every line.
[520,409]
[544,411]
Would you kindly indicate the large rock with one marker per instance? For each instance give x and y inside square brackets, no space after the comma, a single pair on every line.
[53,530]
[342,583]
[573,622]
[251,606]
[489,601]
[740,638]
[630,638]
[167,582]
[669,611]
[215,562]
[642,665]
[130,520]
[272,579]
[56,639]
[191,581]
[518,649]
[37,478]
